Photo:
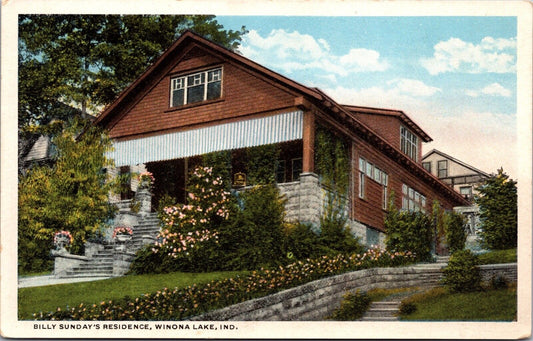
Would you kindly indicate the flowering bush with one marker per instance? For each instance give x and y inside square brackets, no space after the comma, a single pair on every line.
[176,304]
[146,177]
[189,232]
[207,204]
[181,244]
[121,230]
[62,239]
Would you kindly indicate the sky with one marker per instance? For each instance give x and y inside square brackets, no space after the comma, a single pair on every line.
[454,76]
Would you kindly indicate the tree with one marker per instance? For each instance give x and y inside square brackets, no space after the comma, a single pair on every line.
[497,200]
[71,195]
[86,60]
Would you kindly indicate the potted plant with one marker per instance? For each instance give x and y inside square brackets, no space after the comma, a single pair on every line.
[62,239]
[122,233]
[146,179]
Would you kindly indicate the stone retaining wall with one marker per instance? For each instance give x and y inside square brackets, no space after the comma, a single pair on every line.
[316,300]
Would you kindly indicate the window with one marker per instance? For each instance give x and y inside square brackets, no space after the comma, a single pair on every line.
[409,143]
[412,200]
[367,169]
[362,169]
[442,168]
[280,171]
[427,166]
[385,183]
[466,191]
[296,169]
[196,87]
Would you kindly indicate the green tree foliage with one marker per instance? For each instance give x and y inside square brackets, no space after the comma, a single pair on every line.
[333,165]
[498,208]
[409,231]
[71,196]
[454,224]
[261,168]
[88,59]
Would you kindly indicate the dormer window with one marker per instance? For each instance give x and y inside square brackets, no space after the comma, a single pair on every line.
[196,87]
[409,143]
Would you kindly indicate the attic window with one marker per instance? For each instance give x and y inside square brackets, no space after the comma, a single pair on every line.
[409,143]
[196,87]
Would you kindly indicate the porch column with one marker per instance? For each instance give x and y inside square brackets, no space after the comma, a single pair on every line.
[308,137]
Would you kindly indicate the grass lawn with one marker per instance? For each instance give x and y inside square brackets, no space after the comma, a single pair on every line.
[498,256]
[489,305]
[48,298]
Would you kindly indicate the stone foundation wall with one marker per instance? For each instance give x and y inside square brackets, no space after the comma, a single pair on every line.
[316,300]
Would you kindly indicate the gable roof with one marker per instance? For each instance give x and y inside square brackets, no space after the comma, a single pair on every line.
[435,151]
[393,113]
[186,38]
[343,114]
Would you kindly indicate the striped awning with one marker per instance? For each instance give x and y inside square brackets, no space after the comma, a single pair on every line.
[241,134]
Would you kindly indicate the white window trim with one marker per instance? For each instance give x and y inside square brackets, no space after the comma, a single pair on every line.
[181,82]
[409,143]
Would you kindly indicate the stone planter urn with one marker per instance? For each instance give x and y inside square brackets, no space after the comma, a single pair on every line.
[122,238]
[62,240]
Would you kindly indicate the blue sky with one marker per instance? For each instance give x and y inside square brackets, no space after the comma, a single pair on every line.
[454,76]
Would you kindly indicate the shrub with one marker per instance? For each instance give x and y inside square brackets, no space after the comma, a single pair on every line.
[462,274]
[301,242]
[407,308]
[454,226]
[498,282]
[409,231]
[353,307]
[255,237]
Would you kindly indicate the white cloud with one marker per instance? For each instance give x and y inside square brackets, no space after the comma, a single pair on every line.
[291,51]
[414,87]
[494,89]
[393,93]
[455,55]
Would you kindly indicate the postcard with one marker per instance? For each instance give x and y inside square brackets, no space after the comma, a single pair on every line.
[286,169]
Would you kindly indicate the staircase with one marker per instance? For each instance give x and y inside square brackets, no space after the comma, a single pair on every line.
[147,226]
[382,311]
[99,265]
[102,262]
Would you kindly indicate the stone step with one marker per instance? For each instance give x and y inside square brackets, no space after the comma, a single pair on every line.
[381,312]
[383,318]
[90,274]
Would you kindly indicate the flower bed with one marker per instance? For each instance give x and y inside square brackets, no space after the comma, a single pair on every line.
[178,304]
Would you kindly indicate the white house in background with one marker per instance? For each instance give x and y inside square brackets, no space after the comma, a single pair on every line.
[461,176]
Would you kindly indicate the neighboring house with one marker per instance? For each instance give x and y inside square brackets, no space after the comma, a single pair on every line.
[459,175]
[35,150]
[463,178]
[199,97]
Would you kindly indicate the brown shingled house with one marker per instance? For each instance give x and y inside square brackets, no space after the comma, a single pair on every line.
[199,97]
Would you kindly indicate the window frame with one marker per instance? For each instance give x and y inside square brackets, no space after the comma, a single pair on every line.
[427,166]
[409,143]
[440,169]
[413,200]
[203,79]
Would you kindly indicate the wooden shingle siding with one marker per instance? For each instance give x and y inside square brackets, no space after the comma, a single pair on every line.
[387,127]
[369,210]
[242,94]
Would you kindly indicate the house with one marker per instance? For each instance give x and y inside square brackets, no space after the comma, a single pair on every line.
[461,176]
[199,97]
